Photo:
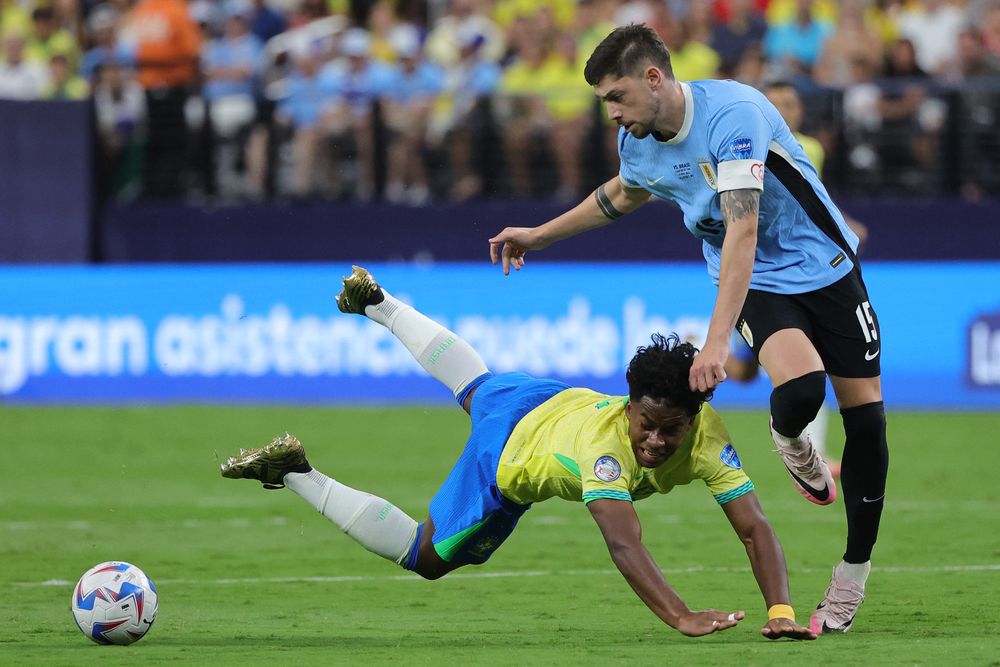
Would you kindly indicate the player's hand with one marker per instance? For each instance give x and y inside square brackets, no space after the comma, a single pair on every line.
[698,623]
[709,367]
[509,247]
[777,628]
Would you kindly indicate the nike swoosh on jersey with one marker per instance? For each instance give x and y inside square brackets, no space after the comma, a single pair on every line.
[822,494]
[650,181]
[869,356]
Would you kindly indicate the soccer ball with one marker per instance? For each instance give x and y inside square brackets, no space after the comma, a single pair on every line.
[114,603]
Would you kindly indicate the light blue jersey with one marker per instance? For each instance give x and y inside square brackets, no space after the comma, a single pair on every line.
[733,138]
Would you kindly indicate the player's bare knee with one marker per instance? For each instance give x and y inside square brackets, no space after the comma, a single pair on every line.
[429,573]
[795,403]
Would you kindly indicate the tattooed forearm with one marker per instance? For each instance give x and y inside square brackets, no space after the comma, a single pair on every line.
[737,204]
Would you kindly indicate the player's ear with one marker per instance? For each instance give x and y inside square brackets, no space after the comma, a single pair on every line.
[654,77]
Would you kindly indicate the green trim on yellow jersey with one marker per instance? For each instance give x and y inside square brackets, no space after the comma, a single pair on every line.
[591,496]
[741,490]
[568,463]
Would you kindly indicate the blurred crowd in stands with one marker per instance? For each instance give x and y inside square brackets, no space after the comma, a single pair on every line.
[415,101]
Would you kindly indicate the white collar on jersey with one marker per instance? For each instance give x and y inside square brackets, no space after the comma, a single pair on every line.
[688,116]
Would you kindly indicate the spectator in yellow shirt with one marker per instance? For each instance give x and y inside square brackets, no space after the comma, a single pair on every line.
[47,39]
[545,100]
[690,60]
[65,83]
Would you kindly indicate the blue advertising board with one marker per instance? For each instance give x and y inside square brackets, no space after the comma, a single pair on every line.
[272,333]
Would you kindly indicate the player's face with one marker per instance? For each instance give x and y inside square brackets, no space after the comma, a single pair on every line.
[632,102]
[655,430]
[787,102]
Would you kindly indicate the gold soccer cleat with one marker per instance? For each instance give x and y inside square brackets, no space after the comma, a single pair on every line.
[360,290]
[268,464]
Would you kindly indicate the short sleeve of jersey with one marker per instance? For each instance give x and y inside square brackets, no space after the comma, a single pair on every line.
[605,473]
[626,174]
[740,135]
[719,465]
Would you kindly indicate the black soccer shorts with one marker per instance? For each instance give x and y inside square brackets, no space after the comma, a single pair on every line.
[838,319]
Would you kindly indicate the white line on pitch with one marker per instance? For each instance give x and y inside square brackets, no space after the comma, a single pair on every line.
[518,574]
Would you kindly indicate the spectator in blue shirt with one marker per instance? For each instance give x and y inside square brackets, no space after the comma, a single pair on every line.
[230,66]
[358,82]
[407,108]
[799,42]
[307,99]
[455,121]
[103,28]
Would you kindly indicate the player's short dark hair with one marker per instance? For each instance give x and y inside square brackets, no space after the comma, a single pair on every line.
[777,84]
[660,371]
[625,52]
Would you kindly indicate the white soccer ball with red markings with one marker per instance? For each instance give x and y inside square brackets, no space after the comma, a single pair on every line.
[114,603]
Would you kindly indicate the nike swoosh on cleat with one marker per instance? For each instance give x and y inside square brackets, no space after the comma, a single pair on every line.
[869,356]
[820,495]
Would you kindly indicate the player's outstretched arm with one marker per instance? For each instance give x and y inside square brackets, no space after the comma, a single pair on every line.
[608,202]
[620,526]
[768,563]
[740,209]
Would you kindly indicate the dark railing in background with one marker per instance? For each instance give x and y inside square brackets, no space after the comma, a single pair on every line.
[944,209]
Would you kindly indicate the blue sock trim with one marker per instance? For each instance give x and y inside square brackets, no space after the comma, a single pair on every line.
[411,558]
[472,386]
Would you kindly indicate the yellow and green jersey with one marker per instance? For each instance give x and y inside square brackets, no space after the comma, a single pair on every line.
[575,446]
[813,150]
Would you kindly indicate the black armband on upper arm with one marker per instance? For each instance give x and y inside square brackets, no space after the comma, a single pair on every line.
[604,203]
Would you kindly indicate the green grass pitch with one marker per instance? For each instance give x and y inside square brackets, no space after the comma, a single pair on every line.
[248,576]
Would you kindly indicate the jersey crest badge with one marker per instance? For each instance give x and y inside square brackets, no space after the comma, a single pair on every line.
[709,173]
[742,148]
[730,458]
[607,469]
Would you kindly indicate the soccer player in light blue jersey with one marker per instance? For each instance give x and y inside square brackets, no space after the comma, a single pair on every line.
[781,254]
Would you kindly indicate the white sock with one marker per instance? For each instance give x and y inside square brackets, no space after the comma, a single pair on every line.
[856,572]
[785,440]
[448,358]
[817,430]
[374,523]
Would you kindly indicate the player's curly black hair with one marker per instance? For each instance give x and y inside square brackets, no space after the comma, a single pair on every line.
[660,371]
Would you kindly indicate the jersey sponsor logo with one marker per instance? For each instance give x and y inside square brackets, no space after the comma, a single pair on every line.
[869,355]
[742,148]
[607,469]
[757,171]
[709,173]
[730,458]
